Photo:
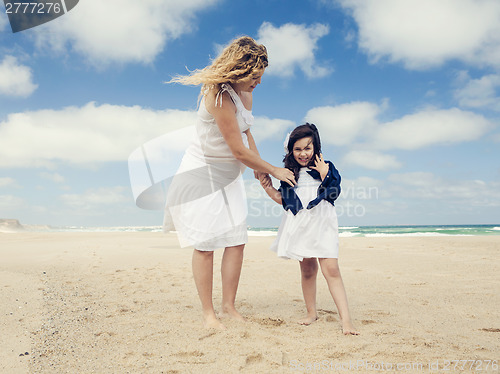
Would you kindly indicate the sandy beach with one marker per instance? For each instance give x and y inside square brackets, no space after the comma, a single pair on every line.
[126,303]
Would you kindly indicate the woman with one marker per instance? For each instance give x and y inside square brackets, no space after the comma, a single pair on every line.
[206,201]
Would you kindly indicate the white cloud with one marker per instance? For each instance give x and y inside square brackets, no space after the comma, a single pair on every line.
[3,20]
[371,160]
[429,127]
[93,200]
[7,182]
[292,46]
[15,79]
[100,133]
[479,93]
[82,135]
[343,124]
[120,30]
[357,122]
[417,197]
[54,177]
[9,203]
[362,188]
[267,128]
[425,186]
[360,197]
[426,33]
[413,179]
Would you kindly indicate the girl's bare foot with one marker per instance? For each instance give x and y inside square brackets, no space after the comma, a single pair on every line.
[349,329]
[308,320]
[231,312]
[211,322]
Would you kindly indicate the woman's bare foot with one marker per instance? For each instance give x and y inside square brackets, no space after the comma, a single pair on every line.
[308,320]
[349,329]
[231,312]
[211,322]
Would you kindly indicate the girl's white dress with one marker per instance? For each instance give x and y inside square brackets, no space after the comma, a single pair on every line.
[311,232]
[206,201]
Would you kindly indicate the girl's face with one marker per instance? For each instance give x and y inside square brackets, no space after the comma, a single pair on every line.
[303,151]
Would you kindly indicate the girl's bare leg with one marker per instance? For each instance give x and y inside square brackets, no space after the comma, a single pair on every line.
[203,262]
[230,272]
[309,272]
[331,271]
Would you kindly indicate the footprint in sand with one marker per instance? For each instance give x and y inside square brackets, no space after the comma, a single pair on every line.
[189,354]
[246,305]
[380,312]
[490,330]
[270,321]
[251,359]
[104,333]
[208,335]
[331,318]
[285,358]
[327,311]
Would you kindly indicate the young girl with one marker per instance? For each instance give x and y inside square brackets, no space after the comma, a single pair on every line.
[309,229]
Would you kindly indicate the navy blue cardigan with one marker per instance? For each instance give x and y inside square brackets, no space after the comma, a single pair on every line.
[328,190]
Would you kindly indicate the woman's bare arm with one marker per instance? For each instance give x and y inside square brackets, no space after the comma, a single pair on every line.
[253,146]
[225,117]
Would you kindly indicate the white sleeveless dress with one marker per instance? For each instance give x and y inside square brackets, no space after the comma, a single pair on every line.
[311,233]
[206,201]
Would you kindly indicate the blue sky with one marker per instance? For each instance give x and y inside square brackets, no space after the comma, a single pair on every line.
[405,93]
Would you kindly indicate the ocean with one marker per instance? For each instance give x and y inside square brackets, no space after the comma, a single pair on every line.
[353,231]
[387,231]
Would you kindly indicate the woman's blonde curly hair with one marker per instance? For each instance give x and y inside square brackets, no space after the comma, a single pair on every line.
[237,62]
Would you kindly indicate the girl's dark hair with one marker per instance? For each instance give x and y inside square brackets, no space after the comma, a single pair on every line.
[302,131]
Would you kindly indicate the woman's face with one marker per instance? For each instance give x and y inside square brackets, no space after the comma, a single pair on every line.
[251,82]
[303,151]
[255,79]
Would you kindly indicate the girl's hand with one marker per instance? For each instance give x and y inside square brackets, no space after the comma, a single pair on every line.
[267,184]
[320,166]
[258,174]
[265,181]
[284,175]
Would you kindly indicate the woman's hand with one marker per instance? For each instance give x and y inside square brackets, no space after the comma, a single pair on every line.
[284,175]
[320,166]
